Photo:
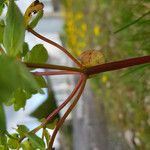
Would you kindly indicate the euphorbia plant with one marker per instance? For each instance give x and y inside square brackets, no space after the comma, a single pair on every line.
[17,57]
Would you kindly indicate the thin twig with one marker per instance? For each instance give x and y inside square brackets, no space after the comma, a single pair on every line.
[56,45]
[54,73]
[55,67]
[61,121]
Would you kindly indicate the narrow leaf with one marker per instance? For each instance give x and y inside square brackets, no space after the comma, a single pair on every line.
[34,8]
[14,31]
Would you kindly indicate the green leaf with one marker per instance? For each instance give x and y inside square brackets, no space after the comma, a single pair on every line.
[13,144]
[2,2]
[2,26]
[14,75]
[1,6]
[52,125]
[22,130]
[38,54]
[14,31]
[19,99]
[47,136]
[3,139]
[2,147]
[2,119]
[25,49]
[41,81]
[36,142]
[26,145]
[35,21]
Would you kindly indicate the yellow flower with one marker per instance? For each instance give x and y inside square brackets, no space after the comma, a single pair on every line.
[104,78]
[84,27]
[97,30]
[79,16]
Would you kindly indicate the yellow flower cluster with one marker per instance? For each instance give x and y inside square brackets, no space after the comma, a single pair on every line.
[78,30]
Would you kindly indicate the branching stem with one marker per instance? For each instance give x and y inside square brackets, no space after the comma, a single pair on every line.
[56,111]
[61,121]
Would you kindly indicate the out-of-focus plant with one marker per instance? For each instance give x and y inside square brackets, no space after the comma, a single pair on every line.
[124,31]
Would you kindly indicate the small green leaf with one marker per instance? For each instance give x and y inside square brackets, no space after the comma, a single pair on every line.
[38,54]
[41,81]
[22,130]
[2,26]
[26,145]
[3,139]
[2,119]
[35,21]
[13,144]
[14,31]
[36,142]
[52,125]
[19,99]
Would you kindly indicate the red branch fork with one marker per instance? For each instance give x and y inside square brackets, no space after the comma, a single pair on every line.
[84,74]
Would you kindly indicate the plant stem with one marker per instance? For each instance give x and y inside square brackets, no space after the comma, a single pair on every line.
[55,67]
[132,23]
[61,121]
[117,65]
[55,112]
[56,45]
[43,134]
[54,73]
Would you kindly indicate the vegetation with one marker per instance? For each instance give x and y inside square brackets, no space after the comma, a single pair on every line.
[17,60]
[120,29]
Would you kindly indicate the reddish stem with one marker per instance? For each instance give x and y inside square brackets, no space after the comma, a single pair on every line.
[56,45]
[54,73]
[55,112]
[61,121]
[54,67]
[117,65]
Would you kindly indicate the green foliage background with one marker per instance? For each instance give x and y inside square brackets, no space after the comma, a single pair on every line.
[126,93]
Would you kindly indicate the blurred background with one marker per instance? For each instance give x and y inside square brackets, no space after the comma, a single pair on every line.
[114,110]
